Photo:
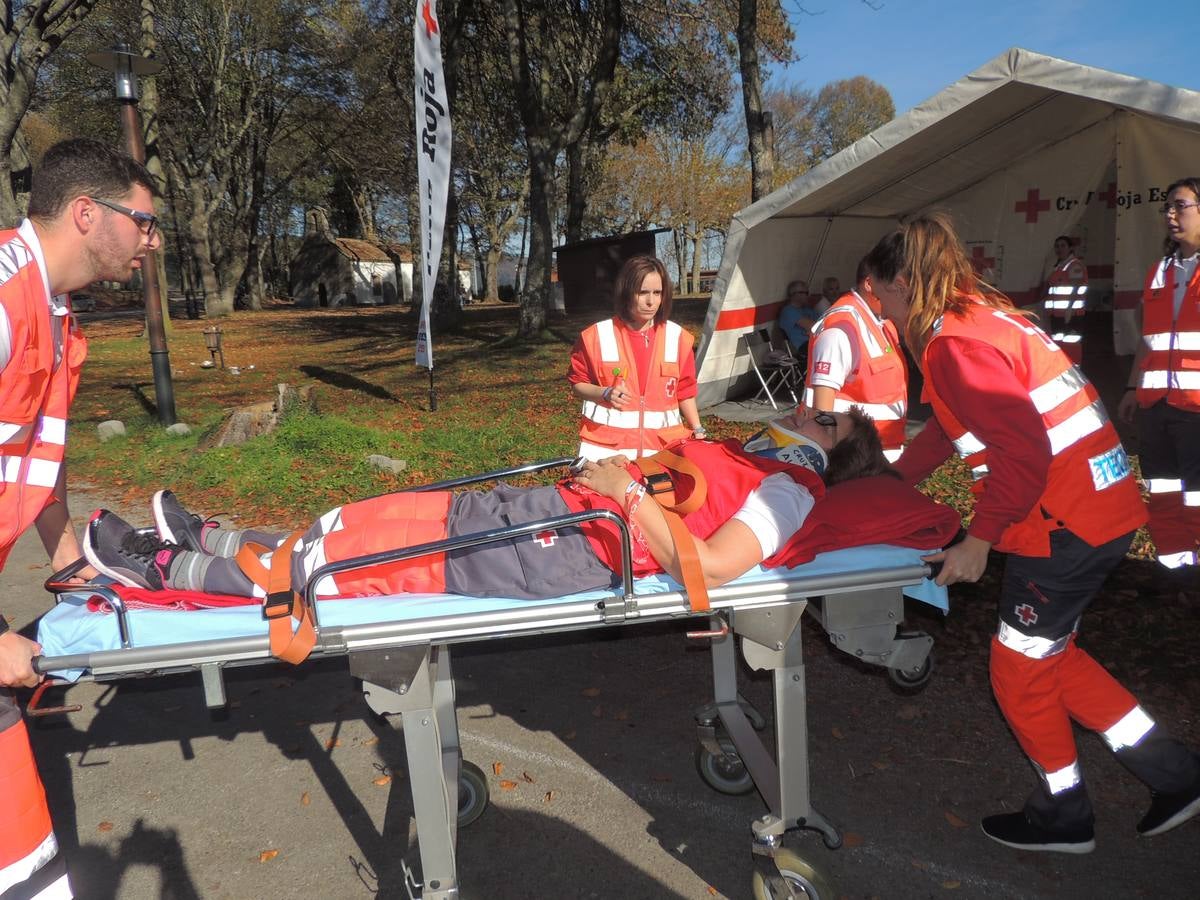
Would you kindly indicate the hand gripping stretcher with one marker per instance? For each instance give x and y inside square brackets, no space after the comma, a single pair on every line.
[400,647]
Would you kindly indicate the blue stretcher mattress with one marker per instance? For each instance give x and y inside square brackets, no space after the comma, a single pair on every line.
[70,628]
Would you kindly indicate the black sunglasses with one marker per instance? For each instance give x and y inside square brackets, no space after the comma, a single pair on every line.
[825,420]
[145,221]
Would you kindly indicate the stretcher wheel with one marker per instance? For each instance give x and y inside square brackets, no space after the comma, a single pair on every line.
[794,879]
[724,773]
[472,793]
[912,681]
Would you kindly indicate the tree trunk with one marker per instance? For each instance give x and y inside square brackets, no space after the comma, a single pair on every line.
[535,298]
[148,108]
[697,238]
[216,302]
[576,192]
[759,127]
[492,274]
[680,257]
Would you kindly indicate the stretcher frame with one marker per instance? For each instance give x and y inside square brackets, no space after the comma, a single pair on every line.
[405,668]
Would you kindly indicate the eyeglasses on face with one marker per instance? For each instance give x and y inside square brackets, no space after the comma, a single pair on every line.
[145,221]
[825,420]
[1176,206]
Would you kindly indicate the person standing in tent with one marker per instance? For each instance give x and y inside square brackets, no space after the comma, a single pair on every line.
[635,372]
[1164,383]
[1066,298]
[1056,494]
[856,360]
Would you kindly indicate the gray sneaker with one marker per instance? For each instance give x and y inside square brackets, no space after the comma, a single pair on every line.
[136,559]
[178,526]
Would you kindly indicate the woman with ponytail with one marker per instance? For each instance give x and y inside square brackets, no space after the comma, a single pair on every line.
[1054,492]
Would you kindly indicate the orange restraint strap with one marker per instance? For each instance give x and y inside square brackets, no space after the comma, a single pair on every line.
[282,604]
[657,471]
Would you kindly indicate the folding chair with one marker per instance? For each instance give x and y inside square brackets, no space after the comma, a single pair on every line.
[777,368]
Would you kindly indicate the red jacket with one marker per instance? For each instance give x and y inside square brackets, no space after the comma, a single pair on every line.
[1173,344]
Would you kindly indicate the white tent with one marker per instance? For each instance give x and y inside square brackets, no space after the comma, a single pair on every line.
[1021,150]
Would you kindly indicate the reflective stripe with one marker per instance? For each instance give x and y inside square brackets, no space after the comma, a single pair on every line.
[1027,645]
[1062,780]
[1087,421]
[1061,338]
[1178,560]
[10,468]
[59,889]
[671,333]
[1191,498]
[874,348]
[1183,340]
[595,452]
[1164,485]
[1057,390]
[42,473]
[979,472]
[1068,289]
[606,331]
[1129,731]
[1161,380]
[16,872]
[53,430]
[880,412]
[12,433]
[331,521]
[893,455]
[628,418]
[968,444]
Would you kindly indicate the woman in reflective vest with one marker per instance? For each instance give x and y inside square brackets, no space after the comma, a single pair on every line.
[1164,384]
[856,360]
[1055,492]
[635,372]
[1066,298]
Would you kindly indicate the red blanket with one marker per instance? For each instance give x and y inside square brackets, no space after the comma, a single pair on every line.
[879,510]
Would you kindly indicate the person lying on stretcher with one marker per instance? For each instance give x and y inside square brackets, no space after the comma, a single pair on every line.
[752,504]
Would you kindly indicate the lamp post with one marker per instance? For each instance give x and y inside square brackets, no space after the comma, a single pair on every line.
[126,67]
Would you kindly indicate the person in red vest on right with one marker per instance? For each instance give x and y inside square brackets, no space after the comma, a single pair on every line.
[856,360]
[1164,384]
[1055,492]
[1066,298]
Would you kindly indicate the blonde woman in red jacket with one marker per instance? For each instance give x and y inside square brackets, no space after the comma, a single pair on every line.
[635,372]
[1054,491]
[1164,384]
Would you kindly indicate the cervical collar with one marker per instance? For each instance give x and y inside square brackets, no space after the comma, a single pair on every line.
[779,441]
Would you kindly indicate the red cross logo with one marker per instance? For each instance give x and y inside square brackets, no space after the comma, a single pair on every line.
[670,387]
[980,261]
[1032,205]
[1110,196]
[1026,613]
[547,538]
[431,25]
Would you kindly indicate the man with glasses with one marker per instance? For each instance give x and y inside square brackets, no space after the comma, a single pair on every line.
[90,219]
[796,317]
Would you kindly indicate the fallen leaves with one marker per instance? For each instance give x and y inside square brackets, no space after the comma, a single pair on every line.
[954,820]
[305,799]
[104,827]
[507,785]
[267,855]
[852,839]
[382,780]
[497,768]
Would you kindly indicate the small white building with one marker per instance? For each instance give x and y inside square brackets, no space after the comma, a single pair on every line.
[329,271]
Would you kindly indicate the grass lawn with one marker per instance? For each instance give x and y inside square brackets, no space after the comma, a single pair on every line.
[499,402]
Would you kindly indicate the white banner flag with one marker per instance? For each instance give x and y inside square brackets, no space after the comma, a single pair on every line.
[433,159]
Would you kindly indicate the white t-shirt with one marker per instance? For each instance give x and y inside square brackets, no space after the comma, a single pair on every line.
[775,510]
[833,358]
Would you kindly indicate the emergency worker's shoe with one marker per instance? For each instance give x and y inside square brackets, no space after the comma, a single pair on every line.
[1015,830]
[176,525]
[1168,811]
[136,559]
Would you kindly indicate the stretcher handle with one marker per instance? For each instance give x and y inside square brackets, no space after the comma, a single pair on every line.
[59,582]
[526,469]
[935,568]
[720,631]
[34,708]
[474,539]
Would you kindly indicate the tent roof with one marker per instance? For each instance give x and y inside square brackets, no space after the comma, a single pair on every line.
[1013,106]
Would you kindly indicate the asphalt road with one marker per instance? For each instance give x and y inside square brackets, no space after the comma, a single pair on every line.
[297,790]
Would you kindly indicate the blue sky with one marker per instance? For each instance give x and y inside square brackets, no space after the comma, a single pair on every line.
[915,48]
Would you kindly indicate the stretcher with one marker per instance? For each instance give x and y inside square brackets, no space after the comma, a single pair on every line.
[400,647]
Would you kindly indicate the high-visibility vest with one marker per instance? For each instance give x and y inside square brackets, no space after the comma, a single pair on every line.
[731,475]
[880,383]
[1171,366]
[655,421]
[35,397]
[1089,486]
[1066,288]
